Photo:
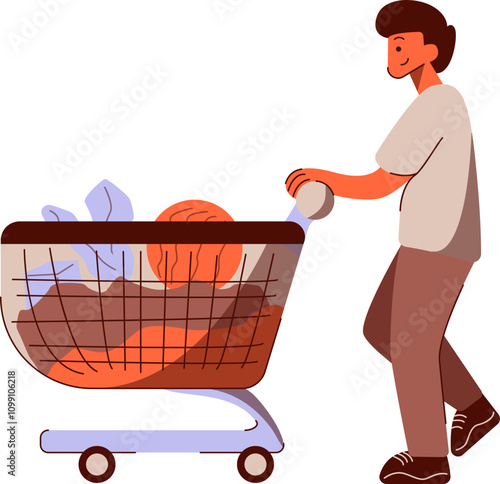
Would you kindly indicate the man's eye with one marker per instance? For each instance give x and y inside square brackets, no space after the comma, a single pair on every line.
[398,49]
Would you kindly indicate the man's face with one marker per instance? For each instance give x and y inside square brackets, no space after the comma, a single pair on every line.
[407,52]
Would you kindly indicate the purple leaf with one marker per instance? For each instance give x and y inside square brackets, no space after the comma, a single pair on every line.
[107,203]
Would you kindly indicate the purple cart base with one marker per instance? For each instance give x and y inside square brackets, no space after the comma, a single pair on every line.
[254,445]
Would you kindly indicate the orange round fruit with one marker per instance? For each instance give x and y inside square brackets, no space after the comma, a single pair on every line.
[211,263]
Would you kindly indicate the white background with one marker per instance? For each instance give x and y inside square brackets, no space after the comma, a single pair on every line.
[228,71]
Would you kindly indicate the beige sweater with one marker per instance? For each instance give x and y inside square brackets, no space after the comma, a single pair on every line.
[440,204]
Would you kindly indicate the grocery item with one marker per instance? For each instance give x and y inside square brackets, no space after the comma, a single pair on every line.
[173,264]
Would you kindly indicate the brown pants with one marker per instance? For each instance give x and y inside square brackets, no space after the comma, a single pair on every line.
[406,323]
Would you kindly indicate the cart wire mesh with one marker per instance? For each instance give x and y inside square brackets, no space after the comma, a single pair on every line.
[74,365]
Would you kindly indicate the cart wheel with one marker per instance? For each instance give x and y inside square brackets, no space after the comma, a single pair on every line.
[255,464]
[97,464]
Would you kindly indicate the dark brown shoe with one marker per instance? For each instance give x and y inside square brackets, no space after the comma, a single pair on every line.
[471,425]
[405,469]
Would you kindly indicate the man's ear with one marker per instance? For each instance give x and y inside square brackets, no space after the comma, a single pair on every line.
[431,52]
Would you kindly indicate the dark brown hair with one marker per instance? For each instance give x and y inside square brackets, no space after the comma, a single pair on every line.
[413,16]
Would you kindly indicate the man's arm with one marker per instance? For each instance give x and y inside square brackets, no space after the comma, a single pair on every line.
[378,184]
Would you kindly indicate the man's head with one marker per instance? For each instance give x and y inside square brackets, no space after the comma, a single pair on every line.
[418,35]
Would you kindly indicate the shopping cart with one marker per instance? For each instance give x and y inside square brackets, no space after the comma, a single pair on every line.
[205,337]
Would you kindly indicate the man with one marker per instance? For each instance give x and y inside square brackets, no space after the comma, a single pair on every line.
[431,150]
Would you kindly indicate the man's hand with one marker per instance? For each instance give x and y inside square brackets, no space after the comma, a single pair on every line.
[301,177]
